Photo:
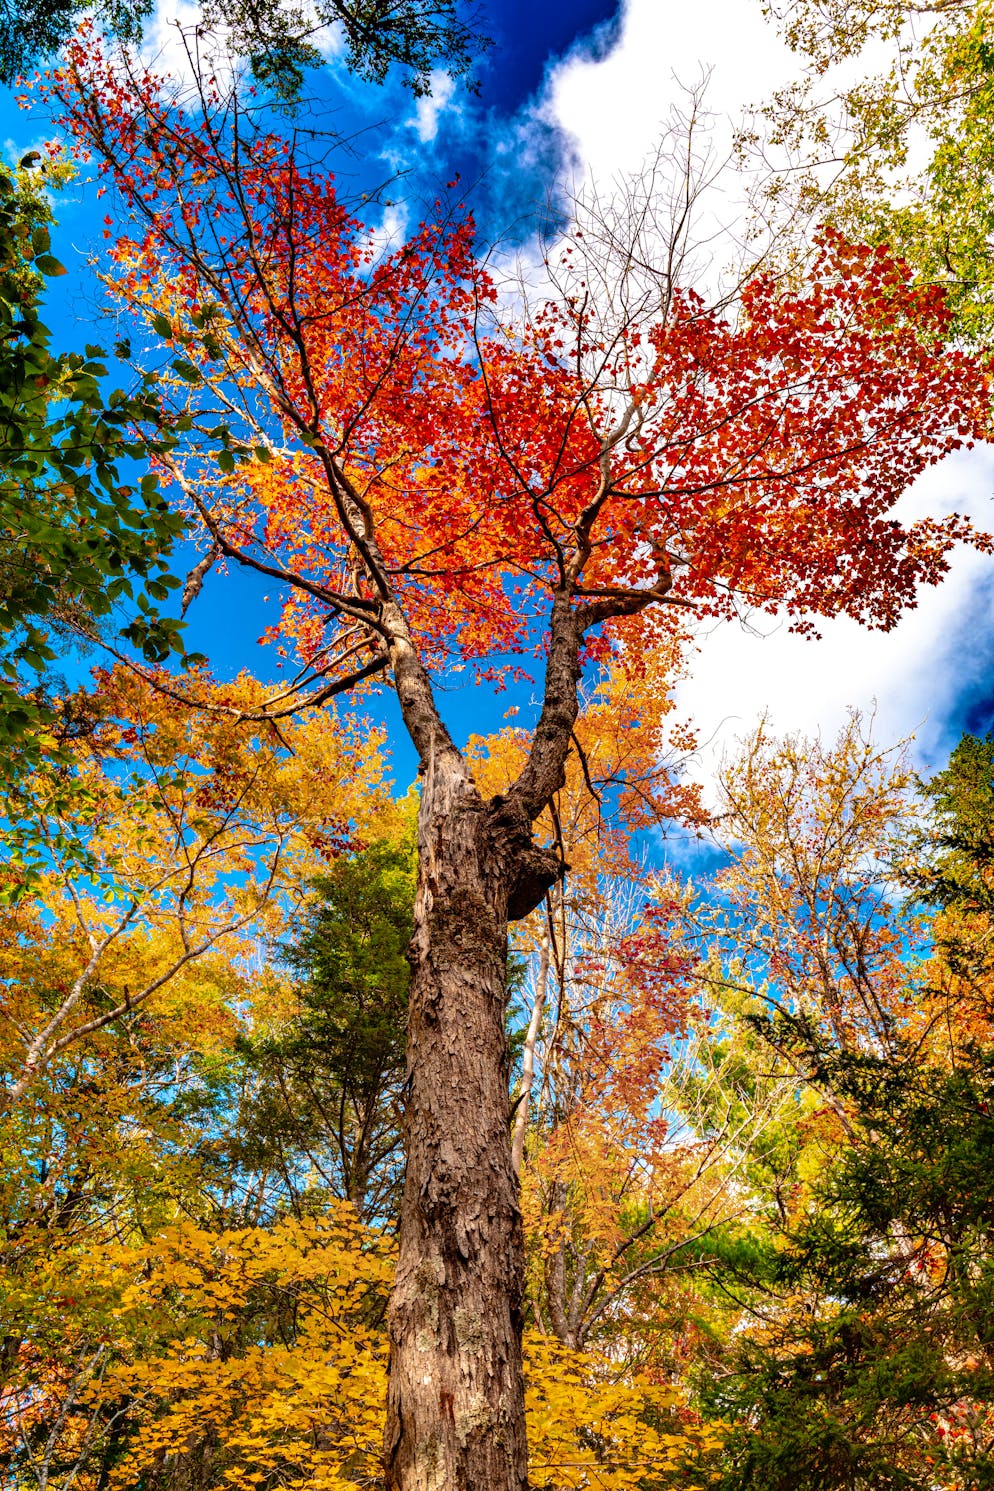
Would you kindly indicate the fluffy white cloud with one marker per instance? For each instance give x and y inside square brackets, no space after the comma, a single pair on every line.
[174,46]
[428,109]
[917,679]
[615,107]
[392,230]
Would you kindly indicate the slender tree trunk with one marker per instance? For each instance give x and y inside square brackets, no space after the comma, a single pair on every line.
[528,1058]
[455,1417]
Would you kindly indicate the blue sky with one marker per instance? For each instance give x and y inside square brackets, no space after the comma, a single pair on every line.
[584,87]
[528,35]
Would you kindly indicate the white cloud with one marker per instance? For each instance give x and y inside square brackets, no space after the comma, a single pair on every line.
[330,41]
[392,230]
[913,678]
[172,42]
[615,108]
[428,109]
[14,151]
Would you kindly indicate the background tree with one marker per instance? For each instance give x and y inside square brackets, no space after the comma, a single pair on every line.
[888,135]
[947,864]
[853,1340]
[203,1356]
[189,826]
[870,1362]
[276,36]
[185,1305]
[77,541]
[327,1087]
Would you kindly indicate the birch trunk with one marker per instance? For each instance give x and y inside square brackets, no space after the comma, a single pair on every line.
[528,1057]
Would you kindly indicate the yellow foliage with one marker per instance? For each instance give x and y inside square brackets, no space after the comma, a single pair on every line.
[261,1354]
[590,1426]
[190,833]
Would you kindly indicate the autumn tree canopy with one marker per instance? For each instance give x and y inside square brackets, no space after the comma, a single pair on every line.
[380,409]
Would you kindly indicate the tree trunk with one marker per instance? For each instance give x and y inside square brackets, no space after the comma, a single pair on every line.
[528,1057]
[455,1415]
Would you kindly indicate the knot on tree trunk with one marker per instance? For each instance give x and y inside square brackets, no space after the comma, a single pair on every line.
[531,870]
[535,871]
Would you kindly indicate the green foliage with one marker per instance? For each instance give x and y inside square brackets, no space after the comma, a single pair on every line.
[414,35]
[326,1105]
[934,102]
[879,1298]
[868,1360]
[76,541]
[953,857]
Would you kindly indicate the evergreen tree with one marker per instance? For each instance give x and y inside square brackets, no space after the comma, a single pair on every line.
[325,1106]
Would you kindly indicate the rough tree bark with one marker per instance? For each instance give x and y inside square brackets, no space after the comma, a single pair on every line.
[455,1413]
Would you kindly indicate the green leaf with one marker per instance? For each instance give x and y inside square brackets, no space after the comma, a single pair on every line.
[50,266]
[186,370]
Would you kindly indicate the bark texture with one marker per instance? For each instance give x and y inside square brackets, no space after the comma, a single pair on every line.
[455,1407]
[455,1411]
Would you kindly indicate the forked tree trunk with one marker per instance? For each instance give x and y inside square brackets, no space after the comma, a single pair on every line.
[455,1404]
[455,1411]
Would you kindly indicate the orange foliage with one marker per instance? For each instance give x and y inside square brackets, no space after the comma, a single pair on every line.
[183,835]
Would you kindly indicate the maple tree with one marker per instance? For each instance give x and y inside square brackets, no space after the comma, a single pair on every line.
[435,483]
[156,1369]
